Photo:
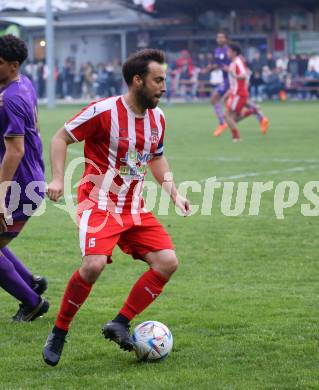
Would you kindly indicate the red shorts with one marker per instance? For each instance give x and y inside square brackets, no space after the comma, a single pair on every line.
[236,103]
[136,235]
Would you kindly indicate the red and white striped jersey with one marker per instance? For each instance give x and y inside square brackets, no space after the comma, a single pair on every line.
[118,146]
[238,67]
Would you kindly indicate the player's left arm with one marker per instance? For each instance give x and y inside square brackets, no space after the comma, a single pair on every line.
[163,175]
[11,160]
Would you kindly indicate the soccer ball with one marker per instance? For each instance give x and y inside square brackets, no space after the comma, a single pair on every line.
[152,341]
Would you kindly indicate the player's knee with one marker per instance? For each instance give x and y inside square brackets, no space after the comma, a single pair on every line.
[92,268]
[171,264]
[174,264]
[164,261]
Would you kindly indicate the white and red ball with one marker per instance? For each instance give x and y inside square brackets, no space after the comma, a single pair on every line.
[152,341]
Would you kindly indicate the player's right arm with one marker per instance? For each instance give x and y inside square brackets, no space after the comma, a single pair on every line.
[211,67]
[84,125]
[58,151]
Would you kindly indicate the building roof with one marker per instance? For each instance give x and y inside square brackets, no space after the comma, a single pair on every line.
[196,7]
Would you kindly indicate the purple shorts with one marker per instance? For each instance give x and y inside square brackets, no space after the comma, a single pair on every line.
[223,88]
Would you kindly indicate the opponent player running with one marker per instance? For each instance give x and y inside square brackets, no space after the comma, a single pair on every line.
[238,105]
[122,136]
[21,174]
[221,62]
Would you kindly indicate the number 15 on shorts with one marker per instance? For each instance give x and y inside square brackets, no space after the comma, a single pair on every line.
[91,242]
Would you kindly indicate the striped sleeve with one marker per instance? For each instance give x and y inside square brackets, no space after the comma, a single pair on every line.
[85,124]
[160,147]
[240,68]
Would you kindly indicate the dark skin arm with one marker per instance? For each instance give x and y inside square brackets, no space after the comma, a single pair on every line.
[11,160]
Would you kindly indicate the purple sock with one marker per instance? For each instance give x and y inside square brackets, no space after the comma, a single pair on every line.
[25,274]
[12,282]
[219,112]
[258,114]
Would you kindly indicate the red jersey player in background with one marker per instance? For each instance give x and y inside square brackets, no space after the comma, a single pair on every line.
[238,106]
[123,135]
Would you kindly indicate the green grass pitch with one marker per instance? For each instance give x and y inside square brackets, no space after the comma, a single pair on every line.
[243,306]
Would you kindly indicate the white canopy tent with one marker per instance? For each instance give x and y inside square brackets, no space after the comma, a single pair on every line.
[25,21]
[40,5]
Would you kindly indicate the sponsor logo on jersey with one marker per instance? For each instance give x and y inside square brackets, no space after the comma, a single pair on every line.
[136,172]
[136,157]
[154,136]
[135,164]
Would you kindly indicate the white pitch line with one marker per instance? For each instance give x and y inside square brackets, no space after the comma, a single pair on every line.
[287,160]
[76,152]
[272,172]
[238,159]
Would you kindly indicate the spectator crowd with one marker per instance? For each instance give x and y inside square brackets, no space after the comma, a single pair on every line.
[87,82]
[294,77]
[188,77]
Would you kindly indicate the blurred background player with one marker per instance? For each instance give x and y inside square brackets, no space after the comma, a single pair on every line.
[238,95]
[123,135]
[22,164]
[221,61]
[238,105]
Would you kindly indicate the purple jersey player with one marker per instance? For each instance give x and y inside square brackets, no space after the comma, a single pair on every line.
[21,176]
[221,61]
[18,118]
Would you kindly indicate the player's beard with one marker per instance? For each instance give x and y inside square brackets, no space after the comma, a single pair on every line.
[145,99]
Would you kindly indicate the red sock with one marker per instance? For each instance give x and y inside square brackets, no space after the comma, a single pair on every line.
[75,295]
[248,112]
[145,290]
[235,133]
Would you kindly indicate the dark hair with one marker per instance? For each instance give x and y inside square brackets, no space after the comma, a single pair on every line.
[235,47]
[13,49]
[137,63]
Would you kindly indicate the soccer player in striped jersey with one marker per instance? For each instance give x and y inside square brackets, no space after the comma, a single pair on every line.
[238,105]
[122,136]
